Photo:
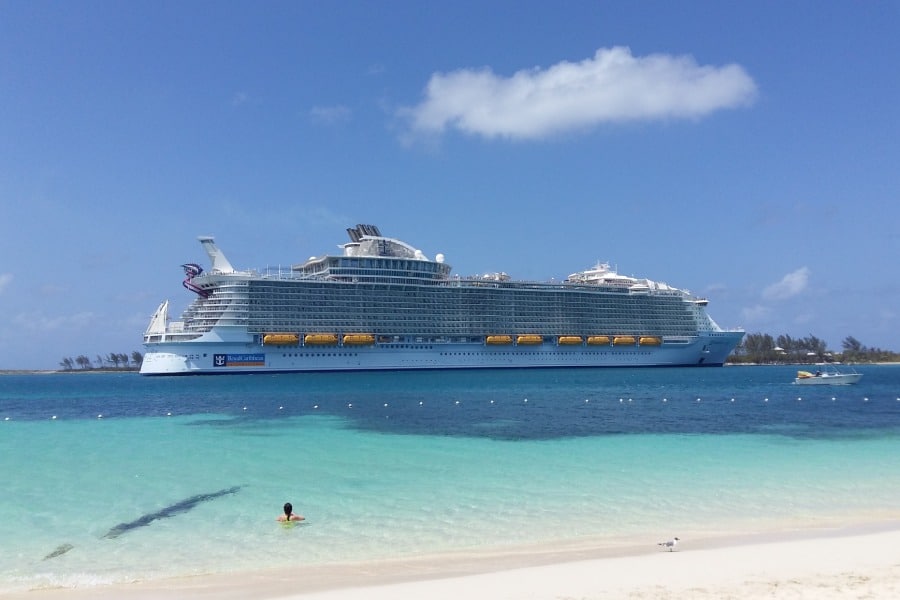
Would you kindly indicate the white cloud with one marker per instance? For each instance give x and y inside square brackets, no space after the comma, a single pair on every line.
[5,278]
[789,286]
[330,114]
[612,86]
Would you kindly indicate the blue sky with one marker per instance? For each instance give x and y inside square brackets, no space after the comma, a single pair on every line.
[747,152]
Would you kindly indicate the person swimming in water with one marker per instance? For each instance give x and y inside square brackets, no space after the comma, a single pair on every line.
[289,514]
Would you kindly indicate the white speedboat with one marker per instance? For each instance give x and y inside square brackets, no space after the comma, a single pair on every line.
[827,375]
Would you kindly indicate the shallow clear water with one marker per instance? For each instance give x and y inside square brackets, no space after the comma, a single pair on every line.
[399,464]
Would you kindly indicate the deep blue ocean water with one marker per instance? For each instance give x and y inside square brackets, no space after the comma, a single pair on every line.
[388,465]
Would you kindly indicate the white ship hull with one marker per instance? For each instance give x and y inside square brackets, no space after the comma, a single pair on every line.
[217,357]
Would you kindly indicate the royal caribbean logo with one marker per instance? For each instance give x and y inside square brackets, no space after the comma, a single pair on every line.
[239,360]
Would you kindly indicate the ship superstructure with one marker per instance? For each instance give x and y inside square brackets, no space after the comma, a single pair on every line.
[381,304]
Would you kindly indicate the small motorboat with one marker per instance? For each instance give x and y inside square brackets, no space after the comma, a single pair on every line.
[827,375]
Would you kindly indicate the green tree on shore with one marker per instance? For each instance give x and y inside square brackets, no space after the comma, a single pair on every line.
[115,360]
[762,348]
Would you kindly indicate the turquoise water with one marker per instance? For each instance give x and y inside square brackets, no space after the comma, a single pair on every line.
[392,465]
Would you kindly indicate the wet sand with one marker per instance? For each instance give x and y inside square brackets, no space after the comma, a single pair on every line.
[858,562]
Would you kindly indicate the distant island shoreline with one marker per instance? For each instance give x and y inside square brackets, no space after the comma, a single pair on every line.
[65,371]
[136,369]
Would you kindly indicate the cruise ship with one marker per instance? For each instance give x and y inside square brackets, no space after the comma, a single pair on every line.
[382,304]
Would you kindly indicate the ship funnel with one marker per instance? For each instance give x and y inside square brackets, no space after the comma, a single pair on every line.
[216,258]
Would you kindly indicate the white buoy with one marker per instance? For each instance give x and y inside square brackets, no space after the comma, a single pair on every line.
[385,404]
[315,406]
[665,399]
[457,401]
[766,400]
[280,408]
[168,414]
[350,405]
[245,408]
[526,399]
[421,403]
[100,416]
[53,417]
[492,401]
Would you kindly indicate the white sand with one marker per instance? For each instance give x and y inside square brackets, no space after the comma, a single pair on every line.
[859,563]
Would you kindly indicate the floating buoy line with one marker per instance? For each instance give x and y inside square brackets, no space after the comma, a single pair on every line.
[623,401]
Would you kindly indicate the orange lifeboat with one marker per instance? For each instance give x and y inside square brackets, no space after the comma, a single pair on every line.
[281,339]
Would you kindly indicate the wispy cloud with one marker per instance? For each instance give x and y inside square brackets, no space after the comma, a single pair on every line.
[52,289]
[330,114]
[239,99]
[39,322]
[5,279]
[789,286]
[755,313]
[715,288]
[612,86]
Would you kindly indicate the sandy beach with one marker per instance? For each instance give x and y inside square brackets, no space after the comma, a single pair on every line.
[858,562]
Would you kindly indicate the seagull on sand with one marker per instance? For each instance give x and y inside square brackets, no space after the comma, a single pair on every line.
[670,544]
